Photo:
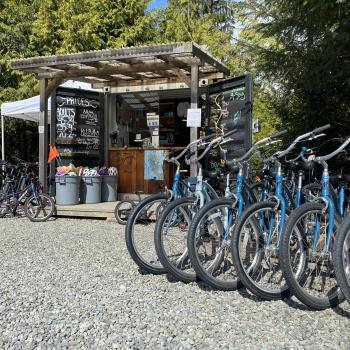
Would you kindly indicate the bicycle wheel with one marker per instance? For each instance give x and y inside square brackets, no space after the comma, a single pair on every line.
[254,250]
[123,210]
[170,238]
[139,234]
[4,206]
[209,241]
[341,257]
[306,263]
[39,207]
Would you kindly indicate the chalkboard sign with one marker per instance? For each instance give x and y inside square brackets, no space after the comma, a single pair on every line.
[230,107]
[78,129]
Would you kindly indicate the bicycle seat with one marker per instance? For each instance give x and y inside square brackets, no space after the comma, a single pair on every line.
[139,192]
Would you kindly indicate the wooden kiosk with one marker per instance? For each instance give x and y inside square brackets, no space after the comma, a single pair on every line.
[136,84]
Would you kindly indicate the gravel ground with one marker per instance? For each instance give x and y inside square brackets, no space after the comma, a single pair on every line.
[71,284]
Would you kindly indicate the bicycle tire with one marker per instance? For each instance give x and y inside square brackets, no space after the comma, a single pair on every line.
[207,274]
[117,213]
[166,261]
[283,291]
[338,258]
[317,303]
[144,264]
[34,217]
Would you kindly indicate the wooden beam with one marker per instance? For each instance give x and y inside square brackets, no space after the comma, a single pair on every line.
[125,69]
[54,84]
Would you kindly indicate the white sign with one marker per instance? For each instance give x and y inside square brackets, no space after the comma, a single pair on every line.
[41,129]
[194,117]
[152,119]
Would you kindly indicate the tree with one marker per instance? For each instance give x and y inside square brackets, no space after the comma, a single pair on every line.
[305,58]
[81,25]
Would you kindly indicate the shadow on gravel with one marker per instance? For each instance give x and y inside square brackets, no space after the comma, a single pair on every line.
[298,306]
[341,312]
[246,294]
[171,279]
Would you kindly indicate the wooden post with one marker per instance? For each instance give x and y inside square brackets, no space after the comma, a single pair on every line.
[2,137]
[194,104]
[43,135]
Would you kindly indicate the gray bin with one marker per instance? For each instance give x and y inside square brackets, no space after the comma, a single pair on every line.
[90,189]
[67,190]
[109,188]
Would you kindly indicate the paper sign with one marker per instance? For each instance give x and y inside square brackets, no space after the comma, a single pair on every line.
[41,129]
[152,119]
[194,117]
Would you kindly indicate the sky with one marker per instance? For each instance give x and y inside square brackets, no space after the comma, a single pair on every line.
[157,3]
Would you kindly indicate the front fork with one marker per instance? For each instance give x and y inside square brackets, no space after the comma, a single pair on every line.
[329,206]
[280,205]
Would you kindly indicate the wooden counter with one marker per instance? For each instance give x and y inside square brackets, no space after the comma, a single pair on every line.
[130,165]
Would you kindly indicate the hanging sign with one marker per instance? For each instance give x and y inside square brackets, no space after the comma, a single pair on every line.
[194,117]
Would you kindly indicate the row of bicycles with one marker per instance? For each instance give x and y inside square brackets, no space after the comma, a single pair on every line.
[21,191]
[279,233]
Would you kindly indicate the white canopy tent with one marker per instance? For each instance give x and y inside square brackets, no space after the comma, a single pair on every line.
[29,108]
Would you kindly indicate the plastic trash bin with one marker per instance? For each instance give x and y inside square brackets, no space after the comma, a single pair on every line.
[109,188]
[67,190]
[90,189]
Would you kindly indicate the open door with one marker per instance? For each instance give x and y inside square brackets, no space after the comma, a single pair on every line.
[229,107]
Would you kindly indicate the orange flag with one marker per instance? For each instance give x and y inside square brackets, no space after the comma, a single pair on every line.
[53,153]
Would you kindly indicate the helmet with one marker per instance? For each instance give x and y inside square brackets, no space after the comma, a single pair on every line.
[103,171]
[60,173]
[112,171]
[90,172]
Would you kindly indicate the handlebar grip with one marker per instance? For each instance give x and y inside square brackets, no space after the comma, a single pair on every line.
[278,134]
[229,133]
[208,137]
[322,128]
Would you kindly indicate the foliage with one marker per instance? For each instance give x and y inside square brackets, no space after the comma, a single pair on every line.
[301,50]
[297,50]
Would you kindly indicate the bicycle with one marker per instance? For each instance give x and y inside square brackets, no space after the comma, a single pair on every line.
[170,234]
[256,238]
[139,233]
[24,191]
[209,235]
[307,245]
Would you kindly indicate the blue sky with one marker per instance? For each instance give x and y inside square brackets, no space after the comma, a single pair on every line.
[157,3]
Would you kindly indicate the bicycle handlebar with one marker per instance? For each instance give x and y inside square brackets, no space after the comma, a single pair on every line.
[334,153]
[266,140]
[279,134]
[311,134]
[214,143]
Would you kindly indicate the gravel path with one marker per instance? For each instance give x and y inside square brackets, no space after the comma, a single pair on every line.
[71,284]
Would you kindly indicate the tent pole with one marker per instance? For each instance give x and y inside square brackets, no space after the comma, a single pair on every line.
[2,137]
[194,104]
[43,135]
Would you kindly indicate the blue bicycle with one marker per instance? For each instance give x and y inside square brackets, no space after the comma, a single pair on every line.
[257,236]
[209,235]
[139,230]
[170,234]
[308,239]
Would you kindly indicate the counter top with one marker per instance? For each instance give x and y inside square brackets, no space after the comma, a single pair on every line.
[145,148]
